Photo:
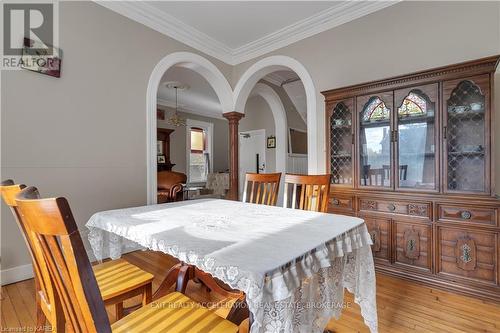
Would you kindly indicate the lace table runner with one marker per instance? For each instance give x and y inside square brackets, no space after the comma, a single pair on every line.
[293,265]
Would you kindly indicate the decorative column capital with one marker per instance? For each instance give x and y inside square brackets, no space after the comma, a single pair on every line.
[233,116]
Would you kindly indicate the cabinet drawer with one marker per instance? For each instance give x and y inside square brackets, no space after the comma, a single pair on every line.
[413,245]
[336,202]
[471,255]
[466,214]
[420,209]
[380,232]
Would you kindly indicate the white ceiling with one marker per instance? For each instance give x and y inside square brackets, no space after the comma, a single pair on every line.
[238,23]
[200,98]
[237,31]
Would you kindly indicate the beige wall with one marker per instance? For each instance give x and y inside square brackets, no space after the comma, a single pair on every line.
[403,38]
[178,141]
[83,136]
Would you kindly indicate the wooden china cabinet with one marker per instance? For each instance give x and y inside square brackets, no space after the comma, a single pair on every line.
[412,155]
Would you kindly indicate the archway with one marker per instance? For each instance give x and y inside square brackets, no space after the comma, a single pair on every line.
[193,62]
[271,64]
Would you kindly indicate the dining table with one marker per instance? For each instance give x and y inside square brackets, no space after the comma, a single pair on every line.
[293,265]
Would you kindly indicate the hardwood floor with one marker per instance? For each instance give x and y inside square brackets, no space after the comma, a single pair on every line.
[402,306]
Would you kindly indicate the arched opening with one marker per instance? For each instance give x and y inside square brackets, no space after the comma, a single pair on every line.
[265,106]
[194,63]
[272,64]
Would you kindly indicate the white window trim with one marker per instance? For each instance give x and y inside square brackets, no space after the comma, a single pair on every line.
[209,128]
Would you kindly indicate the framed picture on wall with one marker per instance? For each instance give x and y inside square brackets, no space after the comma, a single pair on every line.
[271,141]
[159,147]
[41,58]
[161,159]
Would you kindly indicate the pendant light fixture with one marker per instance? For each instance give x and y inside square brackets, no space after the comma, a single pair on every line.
[175,119]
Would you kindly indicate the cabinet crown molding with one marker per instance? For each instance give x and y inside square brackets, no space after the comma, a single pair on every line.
[483,65]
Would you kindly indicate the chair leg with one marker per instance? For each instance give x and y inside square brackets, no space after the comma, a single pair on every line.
[119,310]
[41,320]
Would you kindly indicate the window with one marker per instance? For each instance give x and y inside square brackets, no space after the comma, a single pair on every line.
[199,151]
[197,140]
[413,105]
[375,110]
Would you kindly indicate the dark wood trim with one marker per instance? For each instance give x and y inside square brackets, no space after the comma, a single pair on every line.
[234,119]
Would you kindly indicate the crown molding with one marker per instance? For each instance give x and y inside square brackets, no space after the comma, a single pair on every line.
[170,26]
[474,67]
[322,21]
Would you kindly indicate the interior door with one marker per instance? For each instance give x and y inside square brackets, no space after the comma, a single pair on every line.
[252,151]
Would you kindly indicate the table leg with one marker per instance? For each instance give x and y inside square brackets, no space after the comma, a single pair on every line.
[168,281]
[162,290]
[239,312]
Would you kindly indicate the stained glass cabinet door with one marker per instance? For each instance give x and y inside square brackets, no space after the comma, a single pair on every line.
[341,141]
[466,135]
[375,140]
[416,137]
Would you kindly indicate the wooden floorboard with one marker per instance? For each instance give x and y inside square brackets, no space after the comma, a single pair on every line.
[402,306]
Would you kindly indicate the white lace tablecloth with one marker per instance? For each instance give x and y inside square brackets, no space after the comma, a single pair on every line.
[293,265]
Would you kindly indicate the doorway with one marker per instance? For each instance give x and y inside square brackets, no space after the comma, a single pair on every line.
[252,151]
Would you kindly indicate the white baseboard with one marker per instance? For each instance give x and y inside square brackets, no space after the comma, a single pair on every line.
[16,274]
[24,272]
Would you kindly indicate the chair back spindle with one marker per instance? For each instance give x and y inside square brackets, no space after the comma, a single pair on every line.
[261,188]
[308,192]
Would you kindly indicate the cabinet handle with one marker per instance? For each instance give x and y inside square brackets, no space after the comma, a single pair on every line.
[336,202]
[466,215]
[352,138]
[445,132]
[391,207]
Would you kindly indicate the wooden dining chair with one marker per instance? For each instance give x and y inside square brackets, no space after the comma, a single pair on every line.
[308,192]
[118,280]
[72,287]
[262,188]
[9,191]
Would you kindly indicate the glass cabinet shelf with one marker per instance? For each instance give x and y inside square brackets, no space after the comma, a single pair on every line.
[341,145]
[465,136]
